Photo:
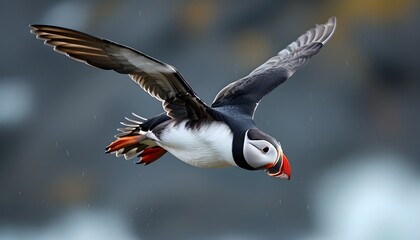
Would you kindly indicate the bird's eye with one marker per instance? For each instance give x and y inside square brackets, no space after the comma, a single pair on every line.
[265,149]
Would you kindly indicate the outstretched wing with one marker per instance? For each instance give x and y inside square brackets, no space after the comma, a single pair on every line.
[246,93]
[160,80]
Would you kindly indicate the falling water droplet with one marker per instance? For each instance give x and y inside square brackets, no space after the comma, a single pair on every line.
[140,13]
[137,208]
[83,173]
[94,116]
[151,210]
[307,207]
[68,154]
[131,220]
[266,214]
[56,144]
[280,201]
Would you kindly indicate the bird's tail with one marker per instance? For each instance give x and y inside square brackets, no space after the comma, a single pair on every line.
[133,141]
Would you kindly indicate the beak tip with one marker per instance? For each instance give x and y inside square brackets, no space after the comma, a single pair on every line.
[286,167]
[284,171]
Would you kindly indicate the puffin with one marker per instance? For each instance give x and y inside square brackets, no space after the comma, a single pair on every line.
[219,135]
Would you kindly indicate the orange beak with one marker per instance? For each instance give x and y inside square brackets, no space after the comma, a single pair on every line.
[281,169]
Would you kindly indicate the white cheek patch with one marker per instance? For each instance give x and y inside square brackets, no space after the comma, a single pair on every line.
[255,157]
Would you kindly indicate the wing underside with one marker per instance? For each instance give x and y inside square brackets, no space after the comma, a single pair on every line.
[160,80]
[246,93]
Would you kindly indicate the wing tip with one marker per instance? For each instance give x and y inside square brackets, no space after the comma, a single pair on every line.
[33,28]
[36,27]
[332,22]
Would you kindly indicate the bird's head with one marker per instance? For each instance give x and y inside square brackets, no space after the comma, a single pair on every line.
[262,151]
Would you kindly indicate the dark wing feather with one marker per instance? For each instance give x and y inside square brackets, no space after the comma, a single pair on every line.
[160,80]
[246,93]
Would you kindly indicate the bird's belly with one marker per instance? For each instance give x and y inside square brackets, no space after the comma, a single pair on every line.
[208,146]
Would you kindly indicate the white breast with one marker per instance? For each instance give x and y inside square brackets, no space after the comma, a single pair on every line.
[209,146]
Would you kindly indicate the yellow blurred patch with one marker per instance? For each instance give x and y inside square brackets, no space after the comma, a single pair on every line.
[384,9]
[69,190]
[251,48]
[197,16]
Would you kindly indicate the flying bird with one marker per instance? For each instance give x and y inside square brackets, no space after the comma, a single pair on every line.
[220,135]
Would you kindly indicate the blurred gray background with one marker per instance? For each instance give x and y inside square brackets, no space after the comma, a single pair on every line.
[348,122]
